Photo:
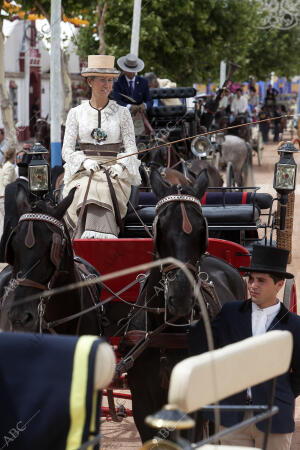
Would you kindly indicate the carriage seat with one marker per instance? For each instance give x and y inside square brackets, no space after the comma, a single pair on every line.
[219,371]
[261,200]
[218,217]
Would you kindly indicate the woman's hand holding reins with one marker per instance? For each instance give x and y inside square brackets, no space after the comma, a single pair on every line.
[116,170]
[90,165]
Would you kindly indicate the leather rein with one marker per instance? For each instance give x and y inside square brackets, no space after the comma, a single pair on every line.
[58,246]
[168,271]
[145,341]
[59,241]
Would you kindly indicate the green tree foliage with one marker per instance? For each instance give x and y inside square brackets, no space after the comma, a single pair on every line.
[185,40]
[274,50]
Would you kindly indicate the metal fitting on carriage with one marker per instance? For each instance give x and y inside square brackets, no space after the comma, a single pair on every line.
[141,277]
[41,311]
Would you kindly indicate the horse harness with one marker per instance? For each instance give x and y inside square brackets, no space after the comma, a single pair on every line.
[140,340]
[59,241]
[201,278]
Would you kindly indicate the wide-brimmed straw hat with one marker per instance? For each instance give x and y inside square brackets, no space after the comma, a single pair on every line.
[100,66]
[271,260]
[130,63]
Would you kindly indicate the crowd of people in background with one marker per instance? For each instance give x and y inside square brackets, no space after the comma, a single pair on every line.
[253,108]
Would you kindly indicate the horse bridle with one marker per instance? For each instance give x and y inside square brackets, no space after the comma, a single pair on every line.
[187,229]
[58,245]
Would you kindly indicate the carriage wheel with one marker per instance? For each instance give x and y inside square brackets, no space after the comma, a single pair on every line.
[289,295]
[230,181]
[260,146]
[216,160]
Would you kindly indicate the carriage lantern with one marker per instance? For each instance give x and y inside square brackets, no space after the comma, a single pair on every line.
[201,147]
[38,170]
[285,177]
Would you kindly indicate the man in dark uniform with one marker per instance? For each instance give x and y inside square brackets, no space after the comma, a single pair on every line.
[129,86]
[11,215]
[238,320]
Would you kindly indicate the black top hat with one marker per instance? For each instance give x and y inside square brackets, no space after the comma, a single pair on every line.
[269,260]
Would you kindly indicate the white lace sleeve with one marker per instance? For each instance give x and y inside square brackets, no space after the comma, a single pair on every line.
[132,163]
[72,158]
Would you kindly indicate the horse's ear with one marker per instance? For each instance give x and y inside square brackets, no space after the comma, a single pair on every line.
[23,205]
[201,184]
[159,186]
[61,208]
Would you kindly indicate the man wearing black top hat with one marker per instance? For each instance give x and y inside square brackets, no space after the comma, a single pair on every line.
[130,89]
[261,313]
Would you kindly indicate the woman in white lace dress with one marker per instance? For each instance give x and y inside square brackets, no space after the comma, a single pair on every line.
[100,127]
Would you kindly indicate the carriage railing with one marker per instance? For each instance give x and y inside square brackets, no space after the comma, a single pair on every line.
[263,412]
[225,214]
[266,220]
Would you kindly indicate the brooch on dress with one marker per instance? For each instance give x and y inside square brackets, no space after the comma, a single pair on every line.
[98,134]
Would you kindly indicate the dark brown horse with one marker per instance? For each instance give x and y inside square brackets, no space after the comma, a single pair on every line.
[40,255]
[169,158]
[180,232]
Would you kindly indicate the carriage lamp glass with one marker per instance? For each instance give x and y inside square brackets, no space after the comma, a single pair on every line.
[200,146]
[38,170]
[285,169]
[285,177]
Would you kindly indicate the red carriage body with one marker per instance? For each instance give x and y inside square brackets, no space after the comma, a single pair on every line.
[110,255]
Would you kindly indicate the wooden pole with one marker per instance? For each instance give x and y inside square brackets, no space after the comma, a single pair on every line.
[55,84]
[135,32]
